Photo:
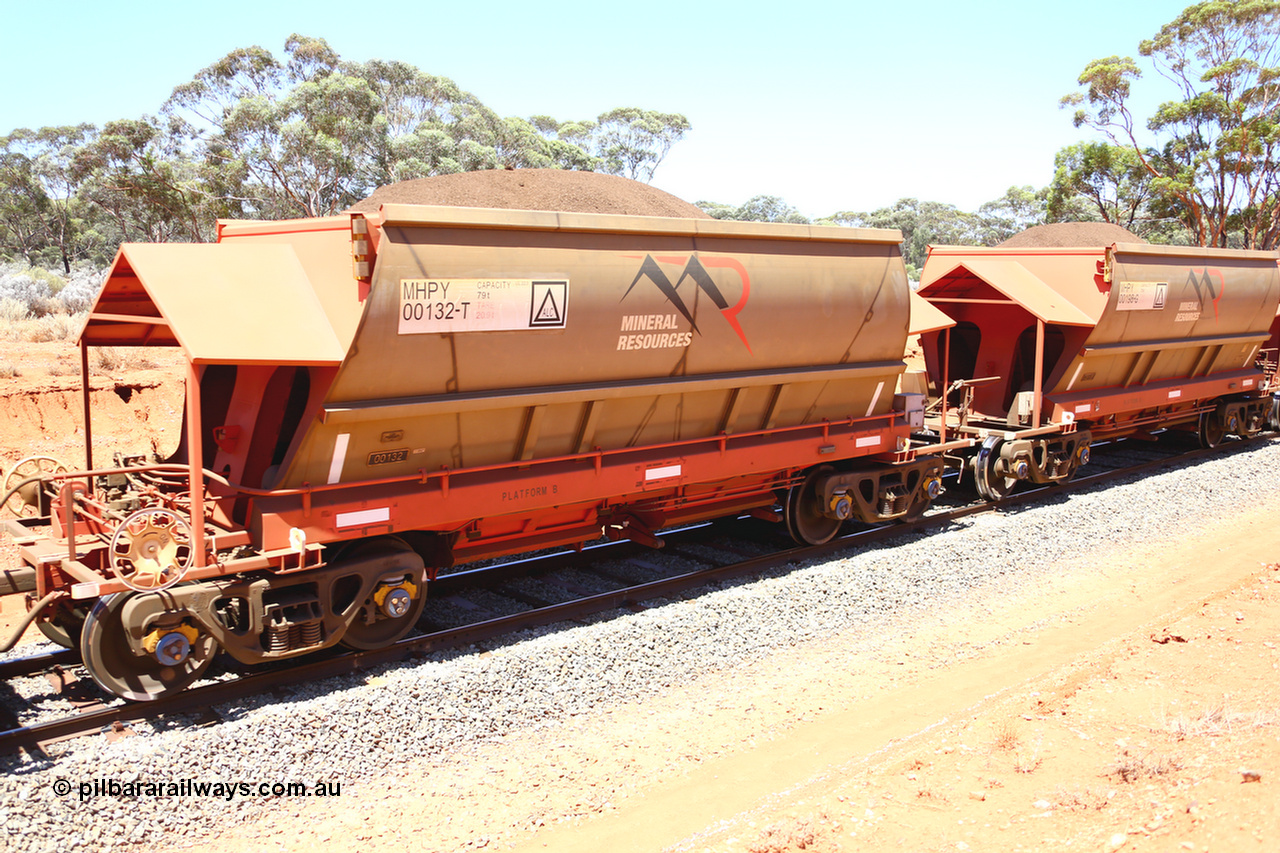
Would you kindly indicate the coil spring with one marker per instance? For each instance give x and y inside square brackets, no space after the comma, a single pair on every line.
[283,638]
[312,634]
[278,638]
[891,502]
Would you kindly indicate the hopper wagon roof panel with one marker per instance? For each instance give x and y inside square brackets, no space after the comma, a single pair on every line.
[970,276]
[234,304]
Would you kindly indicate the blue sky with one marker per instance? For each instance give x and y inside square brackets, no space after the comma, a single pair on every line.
[829,105]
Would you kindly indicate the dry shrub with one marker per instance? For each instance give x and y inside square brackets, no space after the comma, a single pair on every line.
[1131,768]
[113,359]
[8,370]
[11,311]
[52,327]
[783,837]
[108,359]
[1007,739]
[1216,720]
[1081,800]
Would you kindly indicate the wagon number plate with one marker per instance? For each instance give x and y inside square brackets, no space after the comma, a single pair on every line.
[386,457]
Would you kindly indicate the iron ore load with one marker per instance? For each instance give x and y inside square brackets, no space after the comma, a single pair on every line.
[374,397]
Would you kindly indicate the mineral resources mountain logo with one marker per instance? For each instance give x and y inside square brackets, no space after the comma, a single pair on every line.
[696,270]
[1202,282]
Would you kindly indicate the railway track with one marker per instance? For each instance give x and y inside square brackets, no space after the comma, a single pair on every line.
[708,553]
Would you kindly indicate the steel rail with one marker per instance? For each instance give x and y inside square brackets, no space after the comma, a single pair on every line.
[35,664]
[34,736]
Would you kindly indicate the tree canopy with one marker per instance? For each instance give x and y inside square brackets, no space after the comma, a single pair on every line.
[258,136]
[930,223]
[761,208]
[1210,153]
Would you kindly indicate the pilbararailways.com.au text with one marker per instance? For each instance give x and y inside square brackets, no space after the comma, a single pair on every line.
[194,788]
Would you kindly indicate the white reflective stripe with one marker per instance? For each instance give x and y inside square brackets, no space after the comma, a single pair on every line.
[1084,407]
[1075,376]
[363,517]
[663,472]
[1173,395]
[339,456]
[80,591]
[1248,383]
[875,398]
[867,441]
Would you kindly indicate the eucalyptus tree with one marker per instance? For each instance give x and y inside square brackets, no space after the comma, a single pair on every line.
[760,208]
[626,141]
[138,176]
[1017,210]
[299,138]
[633,142]
[1213,151]
[25,205]
[922,223]
[44,216]
[1099,181]
[311,134]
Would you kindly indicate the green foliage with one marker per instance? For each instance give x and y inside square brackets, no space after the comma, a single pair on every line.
[1094,180]
[43,219]
[931,223]
[761,208]
[628,141]
[311,135]
[134,173]
[633,142]
[922,223]
[253,136]
[50,280]
[1215,162]
[1017,210]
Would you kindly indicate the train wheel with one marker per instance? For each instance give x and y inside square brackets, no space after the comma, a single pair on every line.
[64,626]
[395,604]
[1211,430]
[805,519]
[176,663]
[991,484]
[26,500]
[929,490]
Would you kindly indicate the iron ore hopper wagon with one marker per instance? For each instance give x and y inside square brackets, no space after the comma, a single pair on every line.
[373,398]
[1054,348]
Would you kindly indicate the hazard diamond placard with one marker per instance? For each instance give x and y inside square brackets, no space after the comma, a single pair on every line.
[547,307]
